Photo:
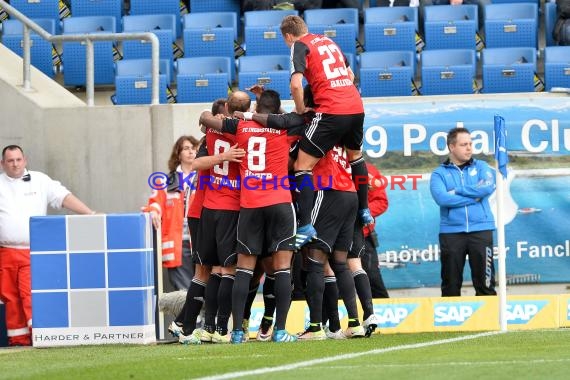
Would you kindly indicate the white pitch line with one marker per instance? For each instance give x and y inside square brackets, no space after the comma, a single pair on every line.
[308,363]
[449,364]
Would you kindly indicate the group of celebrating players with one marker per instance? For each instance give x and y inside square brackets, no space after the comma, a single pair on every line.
[240,233]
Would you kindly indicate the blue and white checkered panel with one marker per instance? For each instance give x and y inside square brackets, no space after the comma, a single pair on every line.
[92,271]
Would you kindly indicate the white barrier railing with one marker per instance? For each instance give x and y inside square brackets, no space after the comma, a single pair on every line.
[88,39]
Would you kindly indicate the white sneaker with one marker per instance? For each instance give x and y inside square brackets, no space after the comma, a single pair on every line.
[193,338]
[354,332]
[335,335]
[370,325]
[174,329]
[264,337]
[219,338]
[206,336]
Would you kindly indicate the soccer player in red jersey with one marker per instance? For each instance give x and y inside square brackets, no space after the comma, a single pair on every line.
[266,214]
[218,222]
[213,235]
[334,217]
[339,117]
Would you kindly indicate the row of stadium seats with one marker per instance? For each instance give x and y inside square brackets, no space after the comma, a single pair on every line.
[454,71]
[387,73]
[504,70]
[215,33]
[58,9]
[204,33]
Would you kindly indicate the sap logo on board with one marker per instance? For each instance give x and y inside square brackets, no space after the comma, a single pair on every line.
[521,312]
[568,311]
[393,315]
[454,313]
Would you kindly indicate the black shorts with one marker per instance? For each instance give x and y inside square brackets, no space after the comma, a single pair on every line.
[193,226]
[266,229]
[217,237]
[358,245]
[333,216]
[326,131]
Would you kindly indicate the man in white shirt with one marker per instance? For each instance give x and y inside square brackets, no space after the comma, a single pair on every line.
[23,194]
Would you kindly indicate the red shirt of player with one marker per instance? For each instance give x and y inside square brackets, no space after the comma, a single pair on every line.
[322,63]
[263,169]
[223,192]
[332,172]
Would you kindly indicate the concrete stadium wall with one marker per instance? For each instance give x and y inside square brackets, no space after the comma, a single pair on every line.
[103,154]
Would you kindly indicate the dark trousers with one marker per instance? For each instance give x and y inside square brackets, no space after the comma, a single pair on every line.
[370,265]
[455,247]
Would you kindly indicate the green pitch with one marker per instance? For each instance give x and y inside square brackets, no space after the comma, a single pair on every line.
[543,354]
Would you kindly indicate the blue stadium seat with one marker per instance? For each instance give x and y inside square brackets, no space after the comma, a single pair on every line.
[74,73]
[41,50]
[514,1]
[271,71]
[448,71]
[352,63]
[550,18]
[162,25]
[508,69]
[39,9]
[210,34]
[262,34]
[99,8]
[557,67]
[203,79]
[450,26]
[153,7]
[390,28]
[387,73]
[339,24]
[215,6]
[133,81]
[511,25]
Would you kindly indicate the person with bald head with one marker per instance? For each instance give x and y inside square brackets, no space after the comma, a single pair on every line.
[267,217]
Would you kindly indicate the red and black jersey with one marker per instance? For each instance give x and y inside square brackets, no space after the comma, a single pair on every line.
[223,192]
[263,170]
[333,172]
[322,63]
[197,197]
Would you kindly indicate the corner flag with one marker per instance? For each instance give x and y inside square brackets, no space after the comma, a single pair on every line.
[501,145]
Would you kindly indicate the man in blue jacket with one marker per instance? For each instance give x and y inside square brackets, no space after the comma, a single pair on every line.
[461,186]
